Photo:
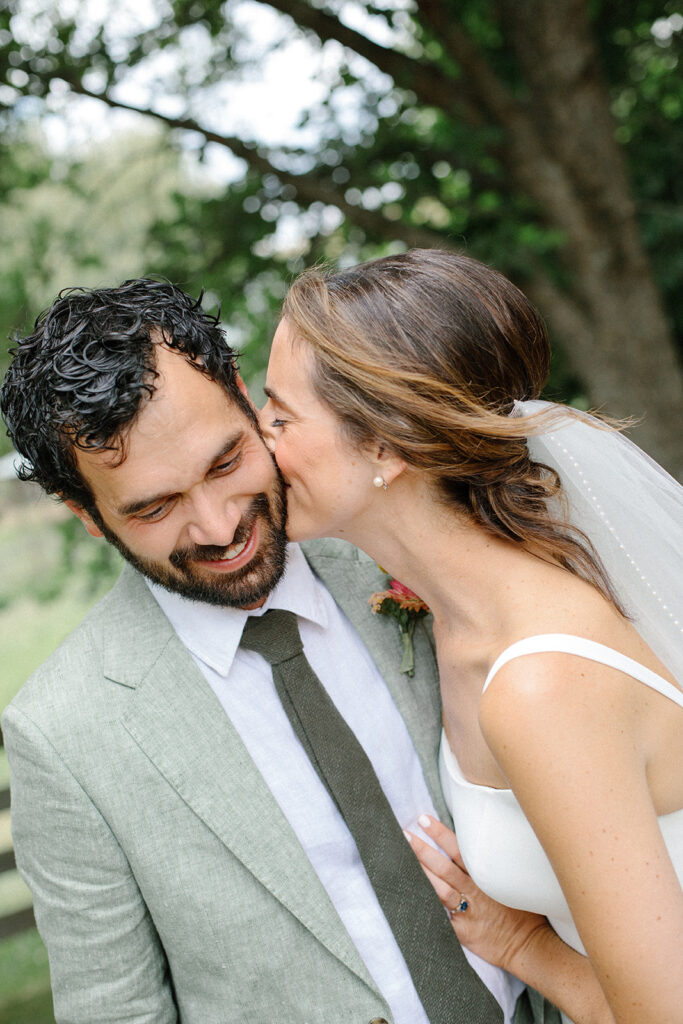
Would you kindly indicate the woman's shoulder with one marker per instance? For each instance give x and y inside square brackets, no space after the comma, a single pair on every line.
[563,629]
[571,691]
[587,649]
[549,711]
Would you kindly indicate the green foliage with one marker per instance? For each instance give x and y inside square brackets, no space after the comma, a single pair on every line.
[646,79]
[397,167]
[86,219]
[80,219]
[393,151]
[55,572]
[25,997]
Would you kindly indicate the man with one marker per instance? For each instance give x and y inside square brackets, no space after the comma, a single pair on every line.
[186,861]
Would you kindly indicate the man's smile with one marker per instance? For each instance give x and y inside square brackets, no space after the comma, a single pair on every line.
[236,555]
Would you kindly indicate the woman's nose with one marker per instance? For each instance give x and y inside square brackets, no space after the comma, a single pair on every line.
[265,418]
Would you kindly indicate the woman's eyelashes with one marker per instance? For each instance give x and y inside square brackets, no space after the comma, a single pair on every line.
[278,423]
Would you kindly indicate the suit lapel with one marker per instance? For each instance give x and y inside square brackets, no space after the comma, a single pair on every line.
[176,719]
[352,577]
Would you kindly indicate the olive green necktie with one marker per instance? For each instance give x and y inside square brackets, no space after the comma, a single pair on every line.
[450,990]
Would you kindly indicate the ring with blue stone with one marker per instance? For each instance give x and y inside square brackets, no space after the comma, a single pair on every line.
[462,905]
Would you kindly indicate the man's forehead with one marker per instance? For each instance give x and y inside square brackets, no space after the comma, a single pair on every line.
[185,420]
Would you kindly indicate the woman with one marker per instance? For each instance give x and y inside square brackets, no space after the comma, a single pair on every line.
[398,413]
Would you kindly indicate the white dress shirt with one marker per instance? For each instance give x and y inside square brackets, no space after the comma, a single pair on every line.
[242,680]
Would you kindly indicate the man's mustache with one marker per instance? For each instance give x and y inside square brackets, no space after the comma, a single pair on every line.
[180,558]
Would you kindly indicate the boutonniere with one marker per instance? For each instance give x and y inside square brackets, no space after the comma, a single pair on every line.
[406,607]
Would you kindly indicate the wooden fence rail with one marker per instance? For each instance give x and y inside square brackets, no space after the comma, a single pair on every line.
[19,920]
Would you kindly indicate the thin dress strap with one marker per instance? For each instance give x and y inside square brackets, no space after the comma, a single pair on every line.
[565,643]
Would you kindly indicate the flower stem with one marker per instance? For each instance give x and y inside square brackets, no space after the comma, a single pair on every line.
[408,660]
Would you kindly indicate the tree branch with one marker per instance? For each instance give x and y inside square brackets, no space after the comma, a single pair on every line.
[429,83]
[532,150]
[309,187]
[481,84]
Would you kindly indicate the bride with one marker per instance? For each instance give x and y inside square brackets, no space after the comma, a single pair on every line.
[550,552]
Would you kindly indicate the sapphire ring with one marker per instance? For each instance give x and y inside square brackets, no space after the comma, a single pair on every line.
[462,906]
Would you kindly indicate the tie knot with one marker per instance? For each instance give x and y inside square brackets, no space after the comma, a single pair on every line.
[274,635]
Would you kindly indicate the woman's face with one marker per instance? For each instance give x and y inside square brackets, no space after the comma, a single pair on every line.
[329,481]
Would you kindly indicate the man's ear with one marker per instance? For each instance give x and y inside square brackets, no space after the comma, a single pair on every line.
[85,518]
[241,386]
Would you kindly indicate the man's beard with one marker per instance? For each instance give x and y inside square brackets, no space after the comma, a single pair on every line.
[241,588]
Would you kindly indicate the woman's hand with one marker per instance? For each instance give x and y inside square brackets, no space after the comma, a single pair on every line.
[496,933]
[520,942]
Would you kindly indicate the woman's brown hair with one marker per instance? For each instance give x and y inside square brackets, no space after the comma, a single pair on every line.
[427,352]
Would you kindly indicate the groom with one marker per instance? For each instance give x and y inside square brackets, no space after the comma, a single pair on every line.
[186,862]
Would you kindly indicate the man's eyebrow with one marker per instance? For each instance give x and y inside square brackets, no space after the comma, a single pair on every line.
[133,507]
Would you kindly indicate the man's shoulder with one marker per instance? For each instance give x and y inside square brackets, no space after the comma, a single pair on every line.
[342,568]
[79,657]
[329,547]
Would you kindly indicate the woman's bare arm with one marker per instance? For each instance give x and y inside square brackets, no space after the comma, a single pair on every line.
[573,743]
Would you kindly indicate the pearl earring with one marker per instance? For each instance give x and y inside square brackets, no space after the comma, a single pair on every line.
[379,481]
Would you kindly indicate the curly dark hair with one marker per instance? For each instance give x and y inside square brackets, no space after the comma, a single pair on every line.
[80,379]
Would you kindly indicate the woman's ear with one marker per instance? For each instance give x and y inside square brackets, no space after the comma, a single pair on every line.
[387,463]
[85,518]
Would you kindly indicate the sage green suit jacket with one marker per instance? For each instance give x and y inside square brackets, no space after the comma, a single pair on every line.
[168,885]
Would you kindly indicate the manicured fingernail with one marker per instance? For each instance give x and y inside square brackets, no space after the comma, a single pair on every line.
[423,821]
[408,836]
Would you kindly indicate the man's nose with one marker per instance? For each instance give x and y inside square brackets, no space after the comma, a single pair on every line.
[213,520]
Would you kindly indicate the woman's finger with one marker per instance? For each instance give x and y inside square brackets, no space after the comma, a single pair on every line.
[446,893]
[443,837]
[446,877]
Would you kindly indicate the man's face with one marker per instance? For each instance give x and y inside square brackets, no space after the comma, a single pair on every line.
[197,504]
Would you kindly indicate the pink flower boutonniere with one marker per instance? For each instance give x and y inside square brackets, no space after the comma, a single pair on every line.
[406,607]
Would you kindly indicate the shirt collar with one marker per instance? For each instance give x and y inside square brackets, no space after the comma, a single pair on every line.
[213,633]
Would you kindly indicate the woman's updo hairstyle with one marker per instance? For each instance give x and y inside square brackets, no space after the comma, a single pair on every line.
[427,352]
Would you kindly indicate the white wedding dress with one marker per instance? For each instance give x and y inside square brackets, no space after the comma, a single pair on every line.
[498,845]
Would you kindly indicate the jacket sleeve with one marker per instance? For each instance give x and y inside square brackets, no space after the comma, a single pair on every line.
[107,964]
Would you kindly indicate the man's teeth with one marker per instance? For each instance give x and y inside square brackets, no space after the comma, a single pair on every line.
[234,550]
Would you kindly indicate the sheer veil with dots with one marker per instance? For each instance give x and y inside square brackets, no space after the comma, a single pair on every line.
[632,512]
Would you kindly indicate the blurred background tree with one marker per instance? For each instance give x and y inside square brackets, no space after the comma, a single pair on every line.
[542,138]
[228,145]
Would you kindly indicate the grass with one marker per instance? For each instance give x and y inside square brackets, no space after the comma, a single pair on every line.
[52,575]
[32,1009]
[24,981]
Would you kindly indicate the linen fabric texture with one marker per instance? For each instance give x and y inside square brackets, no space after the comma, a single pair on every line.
[168,884]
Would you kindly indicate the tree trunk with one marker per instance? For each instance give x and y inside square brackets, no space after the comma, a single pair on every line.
[631,373]
[562,150]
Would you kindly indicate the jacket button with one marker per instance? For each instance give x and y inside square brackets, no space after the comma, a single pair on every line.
[379,1020]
